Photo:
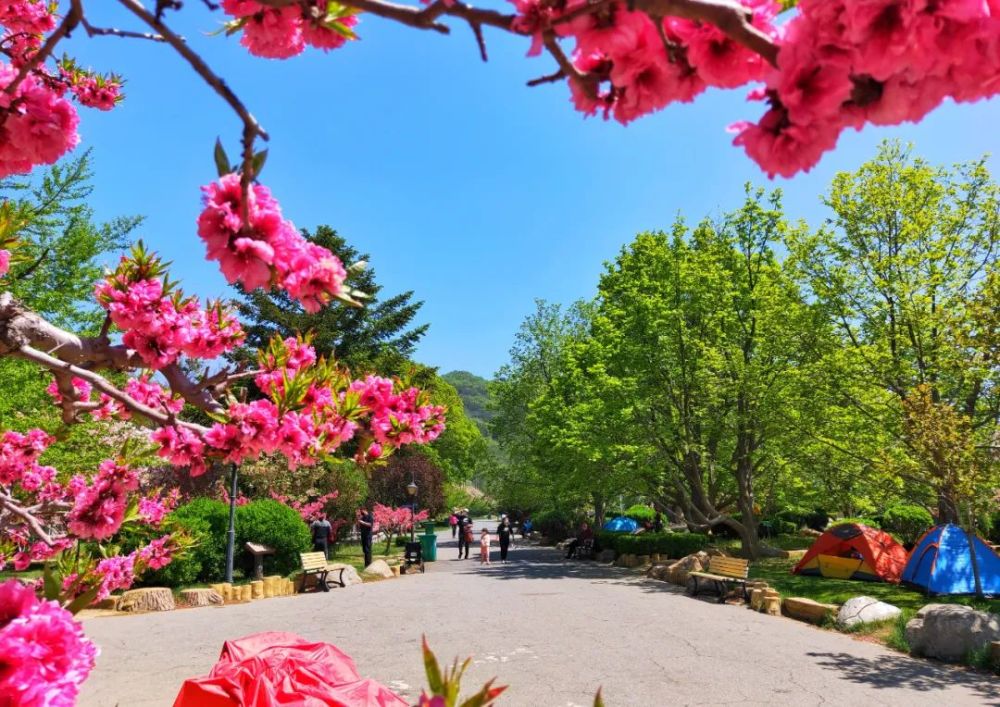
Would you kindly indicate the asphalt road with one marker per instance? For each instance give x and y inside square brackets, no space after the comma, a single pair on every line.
[551,629]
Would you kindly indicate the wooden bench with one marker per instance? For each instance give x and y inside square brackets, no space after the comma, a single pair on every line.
[315,563]
[722,572]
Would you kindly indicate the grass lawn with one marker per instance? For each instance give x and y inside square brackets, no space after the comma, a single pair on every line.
[777,573]
[351,554]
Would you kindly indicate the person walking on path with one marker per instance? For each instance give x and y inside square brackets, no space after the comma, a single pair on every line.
[453,522]
[366,523]
[484,547]
[465,537]
[526,527]
[505,533]
[322,535]
[460,519]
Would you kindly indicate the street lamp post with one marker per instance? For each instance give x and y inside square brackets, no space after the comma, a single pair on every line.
[231,534]
[411,488]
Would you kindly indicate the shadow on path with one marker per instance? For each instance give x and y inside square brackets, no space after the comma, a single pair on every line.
[901,671]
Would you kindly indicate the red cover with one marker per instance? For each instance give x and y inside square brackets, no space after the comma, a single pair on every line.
[278,668]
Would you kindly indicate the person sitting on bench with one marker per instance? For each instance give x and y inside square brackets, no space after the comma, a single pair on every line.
[585,534]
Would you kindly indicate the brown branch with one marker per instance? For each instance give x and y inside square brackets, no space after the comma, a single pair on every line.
[732,18]
[93,31]
[20,327]
[10,503]
[71,20]
[100,383]
[251,128]
[586,82]
[548,78]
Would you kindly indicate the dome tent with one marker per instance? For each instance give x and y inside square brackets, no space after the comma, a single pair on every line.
[621,524]
[941,563]
[854,551]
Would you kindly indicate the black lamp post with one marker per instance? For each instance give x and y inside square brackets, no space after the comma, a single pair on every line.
[231,534]
[411,488]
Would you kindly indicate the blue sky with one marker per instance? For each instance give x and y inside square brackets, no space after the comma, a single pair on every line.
[478,193]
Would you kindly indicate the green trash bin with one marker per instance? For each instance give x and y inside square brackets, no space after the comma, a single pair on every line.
[430,527]
[428,547]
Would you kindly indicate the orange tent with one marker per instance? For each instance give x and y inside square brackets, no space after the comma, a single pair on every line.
[854,551]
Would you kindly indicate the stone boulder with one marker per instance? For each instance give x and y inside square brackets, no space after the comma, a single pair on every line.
[379,569]
[865,610]
[678,572]
[606,556]
[808,610]
[657,572]
[350,576]
[147,599]
[950,631]
[200,597]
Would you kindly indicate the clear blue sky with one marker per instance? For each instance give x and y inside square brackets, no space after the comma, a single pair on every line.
[465,186]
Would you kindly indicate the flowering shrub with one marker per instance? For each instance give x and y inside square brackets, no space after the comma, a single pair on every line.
[309,510]
[391,522]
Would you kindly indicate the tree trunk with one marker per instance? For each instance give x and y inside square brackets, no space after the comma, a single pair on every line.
[947,507]
[598,511]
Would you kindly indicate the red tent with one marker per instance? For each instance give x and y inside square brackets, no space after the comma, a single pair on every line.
[276,668]
[854,551]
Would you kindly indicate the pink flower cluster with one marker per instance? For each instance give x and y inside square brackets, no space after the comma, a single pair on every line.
[635,67]
[281,362]
[309,511]
[119,572]
[267,250]
[39,125]
[159,327]
[845,63]
[97,92]
[81,390]
[398,418]
[283,32]
[392,521]
[43,651]
[4,261]
[99,508]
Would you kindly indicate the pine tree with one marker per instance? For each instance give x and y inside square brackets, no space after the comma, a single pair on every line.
[377,336]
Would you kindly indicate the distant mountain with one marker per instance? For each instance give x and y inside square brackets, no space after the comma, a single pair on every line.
[472,389]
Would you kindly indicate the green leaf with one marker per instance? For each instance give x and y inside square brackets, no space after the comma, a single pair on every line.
[221,159]
[433,670]
[598,700]
[84,600]
[50,583]
[257,163]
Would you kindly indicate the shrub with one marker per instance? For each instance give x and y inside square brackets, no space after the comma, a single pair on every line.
[672,545]
[992,531]
[272,523]
[907,522]
[870,522]
[208,521]
[640,513]
[773,527]
[555,525]
[817,519]
[187,567]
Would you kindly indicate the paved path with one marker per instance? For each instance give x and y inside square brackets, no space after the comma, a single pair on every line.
[553,630]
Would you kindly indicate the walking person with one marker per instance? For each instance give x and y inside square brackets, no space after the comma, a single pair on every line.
[526,527]
[460,519]
[366,523]
[322,535]
[453,522]
[505,533]
[467,537]
[484,547]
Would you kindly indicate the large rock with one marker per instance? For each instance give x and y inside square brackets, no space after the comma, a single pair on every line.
[950,631]
[199,597]
[147,599]
[379,569]
[657,571]
[606,556]
[808,610]
[350,576]
[678,572]
[865,610]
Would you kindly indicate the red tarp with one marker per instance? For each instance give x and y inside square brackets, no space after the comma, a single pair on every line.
[277,668]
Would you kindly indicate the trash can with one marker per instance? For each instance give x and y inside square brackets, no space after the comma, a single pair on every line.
[430,527]
[428,547]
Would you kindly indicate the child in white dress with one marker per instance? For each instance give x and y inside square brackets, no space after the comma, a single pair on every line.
[484,547]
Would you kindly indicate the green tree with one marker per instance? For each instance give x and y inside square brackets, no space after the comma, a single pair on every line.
[704,329]
[379,336]
[902,269]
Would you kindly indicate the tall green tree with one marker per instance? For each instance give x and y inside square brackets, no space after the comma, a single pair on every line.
[705,328]
[379,336]
[899,267]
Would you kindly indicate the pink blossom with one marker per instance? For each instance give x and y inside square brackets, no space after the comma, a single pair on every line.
[4,262]
[100,509]
[323,35]
[157,554]
[81,390]
[274,33]
[115,573]
[44,653]
[182,447]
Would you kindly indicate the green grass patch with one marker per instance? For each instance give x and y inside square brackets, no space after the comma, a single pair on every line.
[777,573]
[351,554]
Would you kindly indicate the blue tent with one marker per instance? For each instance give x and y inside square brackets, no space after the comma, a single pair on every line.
[942,564]
[621,524]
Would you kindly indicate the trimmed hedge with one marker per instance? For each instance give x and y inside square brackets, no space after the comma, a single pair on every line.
[673,545]
[269,522]
[640,513]
[907,522]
